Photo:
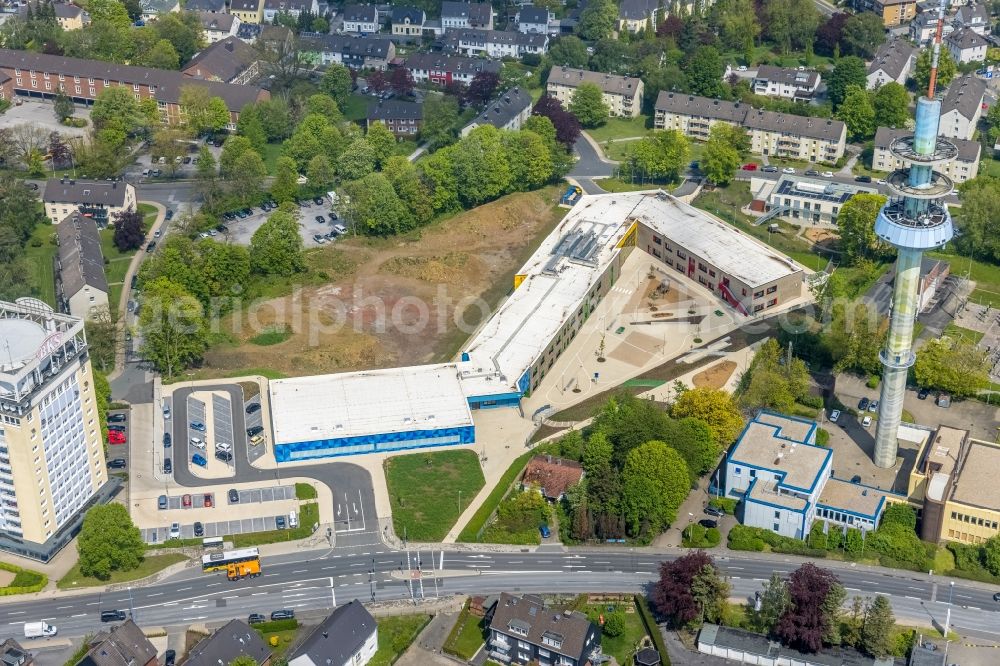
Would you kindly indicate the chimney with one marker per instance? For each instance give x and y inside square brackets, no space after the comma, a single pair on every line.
[229,46]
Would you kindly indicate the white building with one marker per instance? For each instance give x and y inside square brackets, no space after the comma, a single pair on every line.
[509,111]
[495,43]
[893,61]
[534,20]
[218,25]
[964,167]
[362,19]
[51,453]
[975,17]
[814,200]
[293,7]
[924,27]
[962,107]
[967,45]
[98,198]
[347,637]
[795,84]
[466,15]
[153,8]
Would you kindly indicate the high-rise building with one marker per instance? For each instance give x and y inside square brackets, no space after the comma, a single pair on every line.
[51,454]
[913,220]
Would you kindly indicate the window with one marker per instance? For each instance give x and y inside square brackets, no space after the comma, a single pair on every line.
[777,515]
[771,303]
[657,240]
[758,294]
[758,308]
[681,255]
[777,527]
[77,89]
[711,273]
[702,267]
[737,471]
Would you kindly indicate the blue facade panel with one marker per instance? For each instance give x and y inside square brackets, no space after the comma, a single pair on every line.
[524,382]
[375,443]
[492,401]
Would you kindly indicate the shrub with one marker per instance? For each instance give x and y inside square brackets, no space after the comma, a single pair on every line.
[835,539]
[652,629]
[725,504]
[900,514]
[742,537]
[854,542]
[813,401]
[713,537]
[817,537]
[277,625]
[822,437]
[872,382]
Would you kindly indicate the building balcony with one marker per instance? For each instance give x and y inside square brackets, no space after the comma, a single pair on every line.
[501,643]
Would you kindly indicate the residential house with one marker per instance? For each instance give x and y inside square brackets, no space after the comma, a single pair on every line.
[621,94]
[347,637]
[122,645]
[635,15]
[6,86]
[293,7]
[739,646]
[533,20]
[229,61]
[771,133]
[68,16]
[217,6]
[892,12]
[551,476]
[81,285]
[153,8]
[964,167]
[12,654]
[975,17]
[353,52]
[962,107]
[522,630]
[248,11]
[785,481]
[924,27]
[495,44]
[466,15]
[362,19]
[233,640]
[443,69]
[967,45]
[893,61]
[799,85]
[404,119]
[509,111]
[218,26]
[812,199]
[99,199]
[275,38]
[408,22]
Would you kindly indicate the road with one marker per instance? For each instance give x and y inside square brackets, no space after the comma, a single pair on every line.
[825,8]
[312,580]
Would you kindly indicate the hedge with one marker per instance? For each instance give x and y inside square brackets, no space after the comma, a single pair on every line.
[652,629]
[696,536]
[470,533]
[25,581]
[308,516]
[742,537]
[276,625]
[724,504]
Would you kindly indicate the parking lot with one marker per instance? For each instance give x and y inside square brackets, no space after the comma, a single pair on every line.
[216,421]
[254,419]
[224,527]
[119,451]
[145,167]
[39,113]
[242,230]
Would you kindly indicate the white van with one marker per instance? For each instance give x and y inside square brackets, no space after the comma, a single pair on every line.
[39,630]
[293,519]
[198,443]
[340,229]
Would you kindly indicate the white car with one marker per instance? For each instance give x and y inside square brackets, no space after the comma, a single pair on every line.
[198,443]
[223,446]
[166,412]
[881,181]
[866,422]
[834,415]
[788,170]
[827,174]
[175,530]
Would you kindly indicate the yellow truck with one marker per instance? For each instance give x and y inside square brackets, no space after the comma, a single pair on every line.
[239,570]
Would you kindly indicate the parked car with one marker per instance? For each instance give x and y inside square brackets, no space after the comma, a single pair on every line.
[279,522]
[168,466]
[256,618]
[161,502]
[135,281]
[318,238]
[862,179]
[117,463]
[714,511]
[863,404]
[170,213]
[866,422]
[186,501]
[221,228]
[112,615]
[116,427]
[166,440]
[169,657]
[256,440]
[166,411]
[788,170]
[770,169]
[208,500]
[224,456]
[284,614]
[253,407]
[199,460]
[827,174]
[812,172]
[234,496]
[873,406]
[198,425]
[187,160]
[834,416]
[708,524]
[752,166]
[321,219]
[118,417]
[318,201]
[175,530]
[544,530]
[254,430]
[923,393]
[150,246]
[116,437]
[223,446]
[199,530]
[198,443]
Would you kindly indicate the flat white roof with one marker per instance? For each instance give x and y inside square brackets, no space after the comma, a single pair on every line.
[351,404]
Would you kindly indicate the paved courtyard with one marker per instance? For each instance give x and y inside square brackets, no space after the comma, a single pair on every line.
[241,231]
[40,114]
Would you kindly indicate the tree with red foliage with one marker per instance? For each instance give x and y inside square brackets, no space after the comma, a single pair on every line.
[376,81]
[456,89]
[566,124]
[61,152]
[670,26]
[829,34]
[129,234]
[811,618]
[481,88]
[690,590]
[401,81]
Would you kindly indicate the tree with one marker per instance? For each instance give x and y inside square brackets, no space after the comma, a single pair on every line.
[979,222]
[737,23]
[529,158]
[614,623]
[891,103]
[377,81]
[947,69]
[203,113]
[771,382]
[566,124]
[182,30]
[401,82]
[569,51]
[109,541]
[482,87]
[663,154]
[337,83]
[163,55]
[285,186]
[324,105]
[954,366]
[232,150]
[720,160]
[862,34]
[858,113]
[991,555]
[808,618]
[791,24]
[320,173]
[598,20]
[247,182]
[847,72]
[440,121]
[224,267]
[276,247]
[854,338]
[704,71]
[877,632]
[250,126]
[375,207]
[716,408]
[482,171]
[774,600]
[173,326]
[693,440]
[655,482]
[170,144]
[243,660]
[60,152]
[116,109]
[382,142]
[587,104]
[857,228]
[689,590]
[129,233]
[111,12]
[62,106]
[829,34]
[357,161]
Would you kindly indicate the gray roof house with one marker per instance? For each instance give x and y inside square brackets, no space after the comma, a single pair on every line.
[205,5]
[229,60]
[235,639]
[749,648]
[82,284]
[123,645]
[348,636]
[892,62]
[522,629]
[466,15]
[506,112]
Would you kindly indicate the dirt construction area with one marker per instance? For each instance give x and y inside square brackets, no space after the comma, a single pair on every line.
[396,301]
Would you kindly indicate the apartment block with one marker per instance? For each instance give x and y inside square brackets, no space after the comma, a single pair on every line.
[892,12]
[522,630]
[795,84]
[495,43]
[622,94]
[962,107]
[442,69]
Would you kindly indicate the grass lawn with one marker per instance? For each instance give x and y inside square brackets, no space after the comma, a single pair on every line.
[272,152]
[955,331]
[426,490]
[356,108]
[467,636]
[989,167]
[40,261]
[986,276]
[619,128]
[151,565]
[117,262]
[471,532]
[285,640]
[395,633]
[619,185]
[620,647]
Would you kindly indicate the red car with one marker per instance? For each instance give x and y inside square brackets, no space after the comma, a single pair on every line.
[208,500]
[186,501]
[752,166]
[116,437]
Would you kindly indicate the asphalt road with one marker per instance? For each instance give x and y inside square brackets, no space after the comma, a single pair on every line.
[311,581]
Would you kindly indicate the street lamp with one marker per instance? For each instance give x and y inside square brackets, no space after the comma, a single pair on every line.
[951,591]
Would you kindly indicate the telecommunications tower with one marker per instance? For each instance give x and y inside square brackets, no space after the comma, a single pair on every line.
[913,220]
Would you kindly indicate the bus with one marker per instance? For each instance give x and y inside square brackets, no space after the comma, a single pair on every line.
[212,542]
[220,561]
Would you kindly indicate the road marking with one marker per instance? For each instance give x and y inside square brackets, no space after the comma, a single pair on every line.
[595,562]
[170,603]
[300,571]
[545,561]
[62,607]
[574,566]
[342,576]
[910,587]
[477,566]
[292,596]
[213,584]
[235,596]
[258,594]
[852,589]
[909,597]
[270,574]
[79,615]
[182,589]
[155,594]
[94,603]
[190,619]
[15,622]
[736,568]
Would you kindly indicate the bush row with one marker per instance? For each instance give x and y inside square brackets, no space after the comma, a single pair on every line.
[276,625]
[757,539]
[652,628]
[25,581]
[696,536]
[725,504]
